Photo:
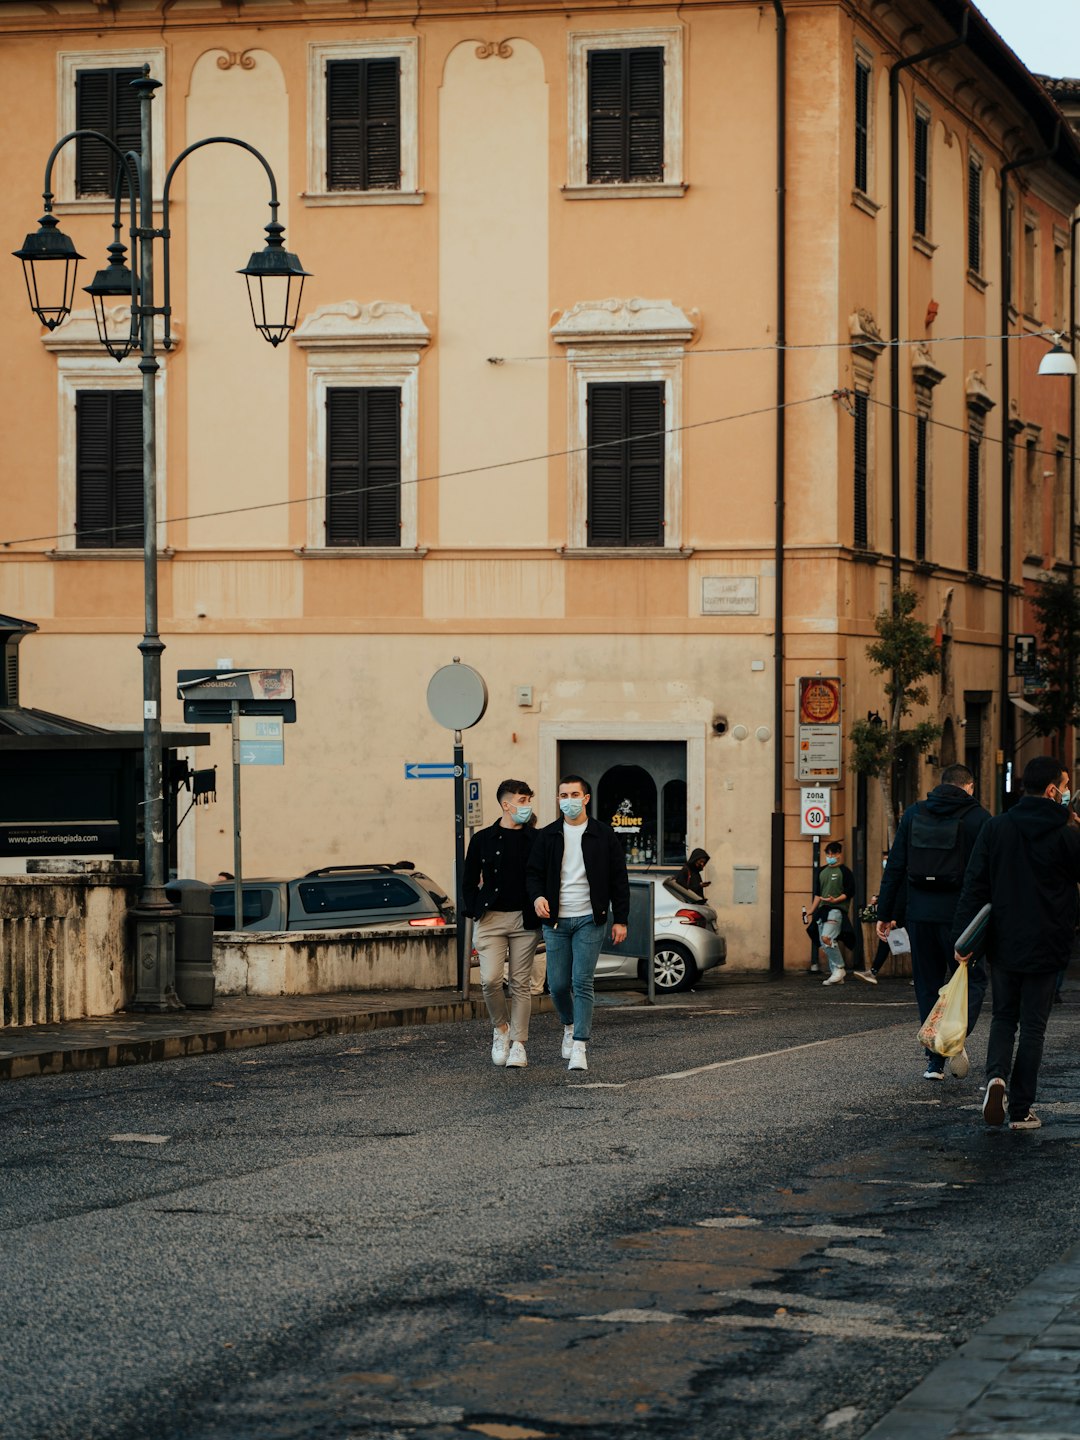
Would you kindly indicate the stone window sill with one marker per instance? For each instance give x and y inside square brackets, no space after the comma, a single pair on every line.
[862,201]
[316,198]
[367,552]
[643,190]
[978,282]
[924,245]
[135,553]
[629,552]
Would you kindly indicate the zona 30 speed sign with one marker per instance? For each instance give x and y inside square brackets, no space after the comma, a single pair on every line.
[816,810]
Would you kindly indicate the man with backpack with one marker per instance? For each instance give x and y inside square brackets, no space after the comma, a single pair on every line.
[930,854]
[1026,866]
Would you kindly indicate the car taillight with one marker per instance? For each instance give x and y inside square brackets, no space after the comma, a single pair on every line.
[428,922]
[692,917]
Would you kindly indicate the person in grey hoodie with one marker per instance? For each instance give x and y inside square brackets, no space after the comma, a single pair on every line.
[1026,866]
[933,844]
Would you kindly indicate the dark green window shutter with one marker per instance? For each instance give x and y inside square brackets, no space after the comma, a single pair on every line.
[108,470]
[626,464]
[626,115]
[922,173]
[862,522]
[974,467]
[862,124]
[363,125]
[104,101]
[974,216]
[922,427]
[363,467]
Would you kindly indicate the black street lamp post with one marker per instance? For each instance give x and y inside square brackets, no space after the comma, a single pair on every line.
[275,281]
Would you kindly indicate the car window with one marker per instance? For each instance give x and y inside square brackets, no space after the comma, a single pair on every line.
[360,892]
[257,906]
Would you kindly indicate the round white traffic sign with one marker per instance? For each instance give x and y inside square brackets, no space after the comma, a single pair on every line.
[816,820]
[457,696]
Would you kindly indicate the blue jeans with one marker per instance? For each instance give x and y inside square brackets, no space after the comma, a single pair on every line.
[573,948]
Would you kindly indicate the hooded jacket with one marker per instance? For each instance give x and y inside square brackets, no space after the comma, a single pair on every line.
[1026,864]
[689,877]
[935,907]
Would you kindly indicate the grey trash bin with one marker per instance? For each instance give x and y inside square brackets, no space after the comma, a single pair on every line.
[194,943]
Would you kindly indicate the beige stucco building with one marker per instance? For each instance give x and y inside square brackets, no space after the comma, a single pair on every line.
[628,275]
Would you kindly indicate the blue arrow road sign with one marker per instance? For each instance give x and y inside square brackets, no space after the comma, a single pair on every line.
[431,770]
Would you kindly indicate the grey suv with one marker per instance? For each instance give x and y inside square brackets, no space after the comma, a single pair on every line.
[337,897]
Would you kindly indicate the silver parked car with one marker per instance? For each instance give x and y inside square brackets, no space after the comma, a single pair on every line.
[687,943]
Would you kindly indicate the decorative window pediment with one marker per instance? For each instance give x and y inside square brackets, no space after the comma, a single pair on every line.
[924,372]
[612,320]
[979,398]
[349,325]
[866,339]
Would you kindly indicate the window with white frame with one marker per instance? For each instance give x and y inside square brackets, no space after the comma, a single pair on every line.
[94,92]
[363,387]
[625,113]
[625,384]
[363,141]
[99,448]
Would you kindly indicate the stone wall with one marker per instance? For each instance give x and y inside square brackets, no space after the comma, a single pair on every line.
[318,962]
[65,948]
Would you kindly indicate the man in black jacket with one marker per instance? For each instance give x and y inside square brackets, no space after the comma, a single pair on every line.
[1026,865]
[576,869]
[505,929]
[933,844]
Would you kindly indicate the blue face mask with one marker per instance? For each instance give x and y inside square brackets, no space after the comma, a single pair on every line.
[832,859]
[522,814]
[1064,796]
[571,809]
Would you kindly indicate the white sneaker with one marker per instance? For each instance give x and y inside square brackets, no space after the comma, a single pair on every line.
[500,1047]
[959,1065]
[579,1060]
[517,1059]
[567,1041]
[837,979]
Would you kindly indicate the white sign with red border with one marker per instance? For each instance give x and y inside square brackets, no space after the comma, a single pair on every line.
[816,810]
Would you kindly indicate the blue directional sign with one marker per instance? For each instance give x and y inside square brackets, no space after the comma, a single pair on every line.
[262,740]
[432,770]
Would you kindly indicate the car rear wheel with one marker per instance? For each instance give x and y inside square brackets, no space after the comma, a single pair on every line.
[673,967]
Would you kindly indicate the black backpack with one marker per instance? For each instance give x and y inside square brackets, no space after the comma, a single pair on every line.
[936,858]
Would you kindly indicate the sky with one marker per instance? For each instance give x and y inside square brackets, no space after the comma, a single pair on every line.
[1044,33]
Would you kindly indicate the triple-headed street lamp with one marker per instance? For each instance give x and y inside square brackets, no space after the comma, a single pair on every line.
[275,280]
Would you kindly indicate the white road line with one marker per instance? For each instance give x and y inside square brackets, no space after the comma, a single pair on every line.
[139,1139]
[764,1055]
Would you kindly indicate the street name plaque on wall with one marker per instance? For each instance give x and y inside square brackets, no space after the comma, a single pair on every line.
[729,595]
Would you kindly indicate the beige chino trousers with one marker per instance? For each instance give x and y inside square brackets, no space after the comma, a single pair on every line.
[501,939]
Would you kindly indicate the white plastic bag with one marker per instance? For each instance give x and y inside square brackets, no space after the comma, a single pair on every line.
[945,1028]
[899,943]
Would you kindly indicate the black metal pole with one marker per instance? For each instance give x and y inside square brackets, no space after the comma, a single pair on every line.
[777,857]
[459,864]
[815,866]
[154,916]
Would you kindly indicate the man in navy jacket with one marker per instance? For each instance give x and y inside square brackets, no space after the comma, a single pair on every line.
[1026,865]
[932,847]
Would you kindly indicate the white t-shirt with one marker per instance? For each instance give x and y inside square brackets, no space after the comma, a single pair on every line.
[574,897]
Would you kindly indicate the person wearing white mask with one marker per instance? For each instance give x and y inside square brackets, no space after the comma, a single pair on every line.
[506,930]
[576,870]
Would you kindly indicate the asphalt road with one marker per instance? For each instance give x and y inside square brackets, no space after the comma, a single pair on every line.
[750,1218]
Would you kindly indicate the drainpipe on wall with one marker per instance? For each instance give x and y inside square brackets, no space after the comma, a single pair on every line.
[1005,728]
[1072,439]
[894,276]
[777,866]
